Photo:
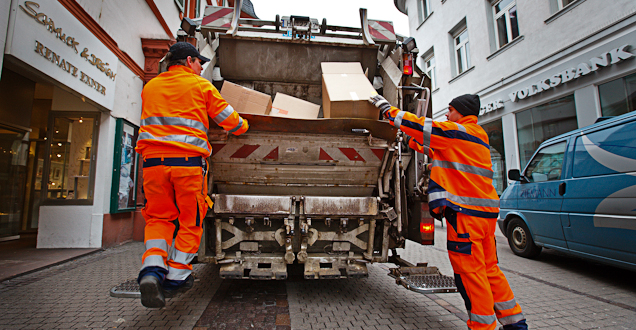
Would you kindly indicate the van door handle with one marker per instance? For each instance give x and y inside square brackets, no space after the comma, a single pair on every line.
[562,188]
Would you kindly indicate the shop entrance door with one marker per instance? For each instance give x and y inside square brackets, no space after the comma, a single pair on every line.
[13,173]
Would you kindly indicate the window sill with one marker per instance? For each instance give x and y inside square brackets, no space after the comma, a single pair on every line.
[67,202]
[461,74]
[505,47]
[563,11]
[435,91]
[424,21]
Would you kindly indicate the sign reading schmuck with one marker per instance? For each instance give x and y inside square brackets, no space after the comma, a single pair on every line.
[49,38]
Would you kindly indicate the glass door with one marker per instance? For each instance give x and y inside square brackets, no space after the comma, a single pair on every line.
[13,170]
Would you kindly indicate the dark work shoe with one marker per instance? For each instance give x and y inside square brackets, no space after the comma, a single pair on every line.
[151,292]
[185,286]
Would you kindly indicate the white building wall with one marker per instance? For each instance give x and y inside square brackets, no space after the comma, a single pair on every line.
[540,39]
[5,9]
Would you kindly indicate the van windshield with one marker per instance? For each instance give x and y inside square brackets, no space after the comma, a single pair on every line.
[546,164]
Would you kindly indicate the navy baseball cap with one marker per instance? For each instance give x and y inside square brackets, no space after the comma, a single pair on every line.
[181,50]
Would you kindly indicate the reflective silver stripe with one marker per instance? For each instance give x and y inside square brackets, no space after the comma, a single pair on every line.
[174,121]
[397,122]
[426,130]
[195,141]
[157,243]
[512,319]
[240,124]
[177,274]
[223,115]
[153,261]
[502,306]
[464,168]
[181,257]
[483,319]
[472,201]
[461,128]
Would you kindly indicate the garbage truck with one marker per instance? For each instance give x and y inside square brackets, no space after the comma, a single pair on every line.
[322,197]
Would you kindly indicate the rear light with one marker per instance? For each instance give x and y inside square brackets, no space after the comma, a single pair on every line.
[407,62]
[427,228]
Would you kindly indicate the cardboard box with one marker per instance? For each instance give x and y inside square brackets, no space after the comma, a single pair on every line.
[245,100]
[291,107]
[346,91]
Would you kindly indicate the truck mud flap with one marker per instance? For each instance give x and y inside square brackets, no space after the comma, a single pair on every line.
[423,279]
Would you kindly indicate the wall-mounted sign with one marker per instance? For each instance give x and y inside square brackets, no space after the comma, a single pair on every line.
[492,106]
[49,38]
[606,59]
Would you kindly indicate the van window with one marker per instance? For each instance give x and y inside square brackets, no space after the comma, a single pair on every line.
[546,164]
[608,151]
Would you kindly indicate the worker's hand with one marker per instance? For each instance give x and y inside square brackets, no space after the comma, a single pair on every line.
[381,103]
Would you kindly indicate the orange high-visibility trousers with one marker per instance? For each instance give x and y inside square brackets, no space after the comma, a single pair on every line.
[173,192]
[473,254]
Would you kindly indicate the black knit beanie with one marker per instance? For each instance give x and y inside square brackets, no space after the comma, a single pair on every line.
[467,104]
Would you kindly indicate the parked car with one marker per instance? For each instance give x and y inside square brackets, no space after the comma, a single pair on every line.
[577,195]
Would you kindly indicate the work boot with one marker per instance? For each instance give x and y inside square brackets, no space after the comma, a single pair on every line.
[152,295]
[187,285]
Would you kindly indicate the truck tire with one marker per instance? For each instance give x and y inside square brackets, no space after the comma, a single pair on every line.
[520,240]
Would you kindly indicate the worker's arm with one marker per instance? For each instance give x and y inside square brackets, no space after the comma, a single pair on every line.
[426,132]
[223,114]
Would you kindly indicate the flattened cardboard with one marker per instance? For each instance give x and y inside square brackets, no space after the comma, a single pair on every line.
[245,100]
[346,91]
[291,107]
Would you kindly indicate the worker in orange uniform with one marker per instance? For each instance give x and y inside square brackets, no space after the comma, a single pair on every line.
[173,142]
[460,188]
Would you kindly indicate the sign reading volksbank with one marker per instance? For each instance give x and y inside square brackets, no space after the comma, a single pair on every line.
[606,59]
[46,36]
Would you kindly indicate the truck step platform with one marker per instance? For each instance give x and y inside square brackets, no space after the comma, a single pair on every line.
[423,280]
[128,289]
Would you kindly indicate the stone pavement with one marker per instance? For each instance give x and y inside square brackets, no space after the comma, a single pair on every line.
[555,291]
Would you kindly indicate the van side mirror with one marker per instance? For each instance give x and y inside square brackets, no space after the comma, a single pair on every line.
[515,175]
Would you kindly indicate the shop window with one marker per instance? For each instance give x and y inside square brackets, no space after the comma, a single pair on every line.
[505,20]
[540,123]
[70,166]
[497,155]
[618,96]
[124,189]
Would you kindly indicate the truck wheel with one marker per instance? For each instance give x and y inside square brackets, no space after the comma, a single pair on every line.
[520,241]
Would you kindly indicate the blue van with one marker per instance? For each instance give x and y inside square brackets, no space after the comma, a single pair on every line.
[577,195]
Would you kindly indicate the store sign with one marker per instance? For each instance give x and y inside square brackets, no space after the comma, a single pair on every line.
[49,38]
[606,59]
[492,106]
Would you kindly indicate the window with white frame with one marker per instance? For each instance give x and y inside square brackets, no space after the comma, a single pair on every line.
[462,51]
[430,69]
[423,9]
[506,24]
[563,3]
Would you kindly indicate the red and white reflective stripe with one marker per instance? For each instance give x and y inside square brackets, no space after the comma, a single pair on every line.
[351,154]
[272,152]
[217,16]
[381,30]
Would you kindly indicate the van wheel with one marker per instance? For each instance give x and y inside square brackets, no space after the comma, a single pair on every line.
[520,241]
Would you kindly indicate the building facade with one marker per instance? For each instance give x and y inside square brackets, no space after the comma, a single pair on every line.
[70,107]
[541,67]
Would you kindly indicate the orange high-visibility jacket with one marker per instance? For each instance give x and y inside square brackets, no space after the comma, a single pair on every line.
[175,109]
[461,174]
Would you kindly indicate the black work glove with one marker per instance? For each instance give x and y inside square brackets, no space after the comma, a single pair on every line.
[381,103]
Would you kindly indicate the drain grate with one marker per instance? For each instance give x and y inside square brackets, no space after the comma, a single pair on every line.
[128,289]
[429,283]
